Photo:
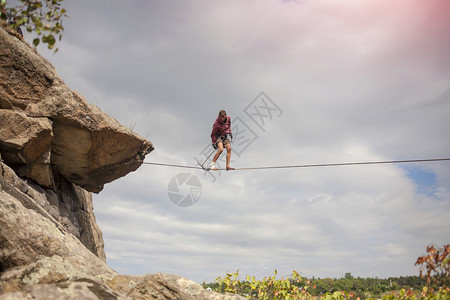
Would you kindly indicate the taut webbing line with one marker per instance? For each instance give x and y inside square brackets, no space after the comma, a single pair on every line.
[310,165]
[171,165]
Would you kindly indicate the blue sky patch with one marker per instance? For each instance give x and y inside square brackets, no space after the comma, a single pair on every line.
[425,180]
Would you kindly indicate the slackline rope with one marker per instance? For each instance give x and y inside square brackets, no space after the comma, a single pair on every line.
[309,165]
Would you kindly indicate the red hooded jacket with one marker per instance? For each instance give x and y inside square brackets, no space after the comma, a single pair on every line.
[220,129]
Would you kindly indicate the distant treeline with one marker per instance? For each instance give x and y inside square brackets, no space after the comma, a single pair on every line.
[361,287]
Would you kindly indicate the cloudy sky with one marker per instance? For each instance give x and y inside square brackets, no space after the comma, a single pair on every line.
[305,82]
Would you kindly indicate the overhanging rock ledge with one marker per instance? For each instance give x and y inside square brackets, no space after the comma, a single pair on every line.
[50,130]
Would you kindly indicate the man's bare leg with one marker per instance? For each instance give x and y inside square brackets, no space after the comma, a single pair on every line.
[228,147]
[216,156]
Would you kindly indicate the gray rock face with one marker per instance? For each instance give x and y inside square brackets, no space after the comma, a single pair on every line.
[55,149]
[33,228]
[70,208]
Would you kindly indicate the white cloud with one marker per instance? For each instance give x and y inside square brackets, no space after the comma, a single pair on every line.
[355,81]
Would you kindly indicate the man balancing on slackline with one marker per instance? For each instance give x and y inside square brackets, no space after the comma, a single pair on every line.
[219,136]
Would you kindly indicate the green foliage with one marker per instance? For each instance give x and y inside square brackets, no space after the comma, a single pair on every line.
[441,294]
[434,285]
[43,17]
[348,287]
[268,288]
[366,287]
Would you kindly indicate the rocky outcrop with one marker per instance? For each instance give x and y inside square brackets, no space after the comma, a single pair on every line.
[51,130]
[57,278]
[45,223]
[55,149]
[163,286]
[41,259]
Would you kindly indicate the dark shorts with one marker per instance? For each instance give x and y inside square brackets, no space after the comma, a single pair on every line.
[224,140]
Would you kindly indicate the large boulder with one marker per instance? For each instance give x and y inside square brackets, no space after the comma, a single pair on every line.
[49,130]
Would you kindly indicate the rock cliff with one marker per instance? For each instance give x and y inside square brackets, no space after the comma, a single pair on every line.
[49,130]
[55,149]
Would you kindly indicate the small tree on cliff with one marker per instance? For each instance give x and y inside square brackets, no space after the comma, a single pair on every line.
[42,17]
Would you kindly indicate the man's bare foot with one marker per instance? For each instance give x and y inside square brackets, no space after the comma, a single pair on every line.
[229,168]
[213,167]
